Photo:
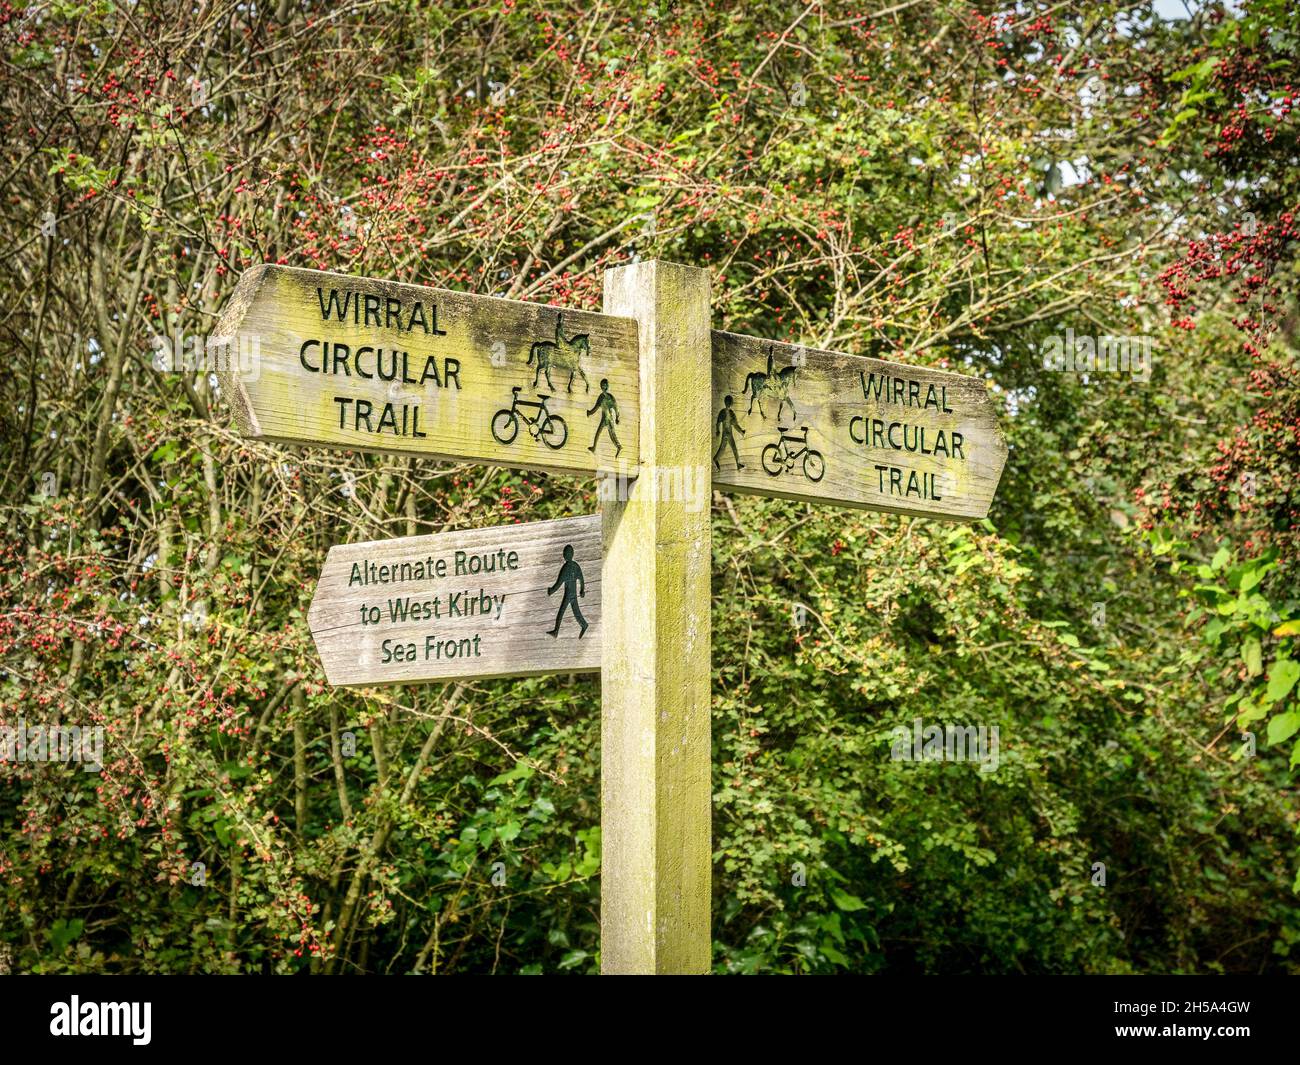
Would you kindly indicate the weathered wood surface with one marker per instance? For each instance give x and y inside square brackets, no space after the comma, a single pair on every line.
[469,622]
[375,365]
[656,794]
[879,435]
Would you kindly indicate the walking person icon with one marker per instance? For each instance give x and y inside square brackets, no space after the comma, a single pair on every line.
[606,405]
[570,576]
[726,423]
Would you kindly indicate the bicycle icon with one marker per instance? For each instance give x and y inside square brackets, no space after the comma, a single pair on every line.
[781,456]
[544,426]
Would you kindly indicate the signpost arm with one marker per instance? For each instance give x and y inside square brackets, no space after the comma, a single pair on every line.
[656,792]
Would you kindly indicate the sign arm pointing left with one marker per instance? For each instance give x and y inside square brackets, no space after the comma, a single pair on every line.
[472,604]
[306,357]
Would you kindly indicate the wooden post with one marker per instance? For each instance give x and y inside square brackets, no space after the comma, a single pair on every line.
[656,789]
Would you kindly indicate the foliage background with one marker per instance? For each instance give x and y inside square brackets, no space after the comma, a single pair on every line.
[942,184]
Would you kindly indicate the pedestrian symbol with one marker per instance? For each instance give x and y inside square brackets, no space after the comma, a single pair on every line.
[608,407]
[726,424]
[570,576]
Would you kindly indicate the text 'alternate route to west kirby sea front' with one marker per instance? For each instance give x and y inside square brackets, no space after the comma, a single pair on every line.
[503,601]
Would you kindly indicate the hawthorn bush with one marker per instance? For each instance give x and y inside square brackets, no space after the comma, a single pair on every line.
[949,185]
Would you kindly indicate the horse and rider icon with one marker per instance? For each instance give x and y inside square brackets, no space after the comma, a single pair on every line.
[570,576]
[564,353]
[775,384]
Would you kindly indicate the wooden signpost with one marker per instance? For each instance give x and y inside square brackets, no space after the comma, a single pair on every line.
[655,712]
[640,394]
[506,601]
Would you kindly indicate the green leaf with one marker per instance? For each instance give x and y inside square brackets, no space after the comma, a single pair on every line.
[1281,678]
[1252,655]
[1283,726]
[1252,577]
[62,932]
[1196,71]
[833,955]
[845,901]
